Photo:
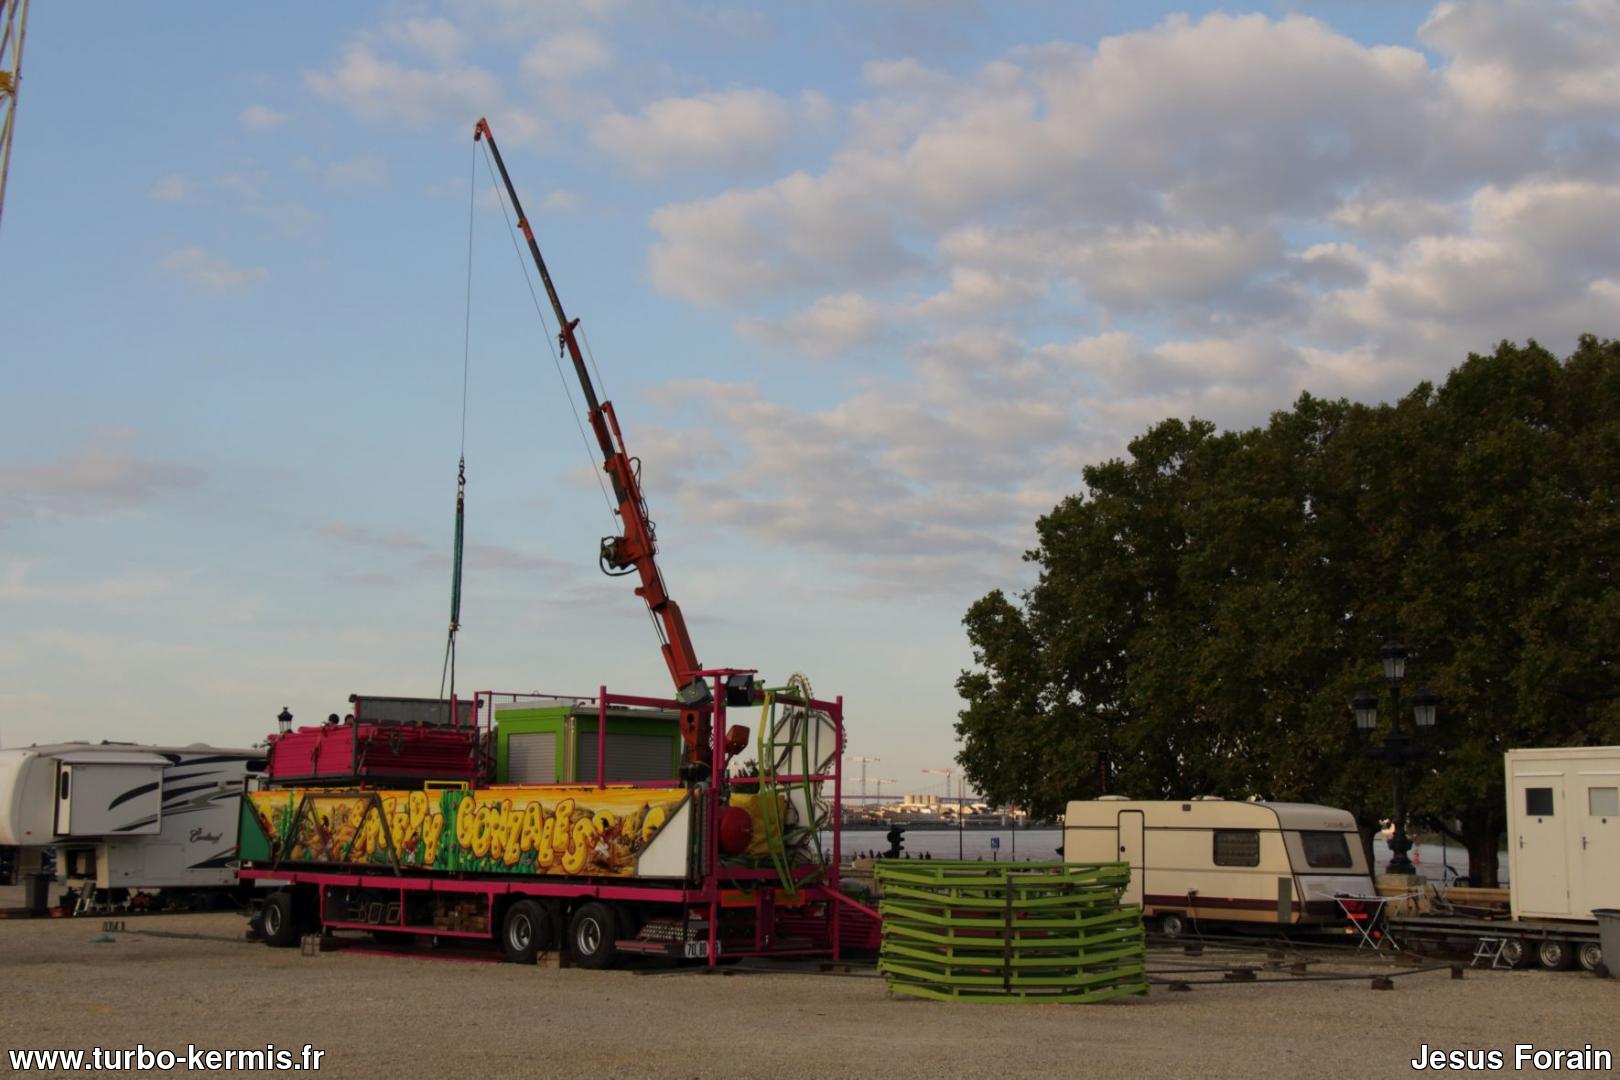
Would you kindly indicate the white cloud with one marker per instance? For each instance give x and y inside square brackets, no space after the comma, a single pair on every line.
[436,38]
[561,202]
[1528,55]
[100,476]
[734,130]
[380,89]
[261,118]
[567,55]
[831,326]
[172,188]
[18,583]
[211,273]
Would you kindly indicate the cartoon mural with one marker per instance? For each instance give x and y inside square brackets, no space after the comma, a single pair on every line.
[574,831]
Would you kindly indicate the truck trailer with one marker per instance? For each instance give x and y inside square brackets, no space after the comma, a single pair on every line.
[693,864]
[1563,840]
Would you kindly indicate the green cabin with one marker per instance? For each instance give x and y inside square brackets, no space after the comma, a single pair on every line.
[557,743]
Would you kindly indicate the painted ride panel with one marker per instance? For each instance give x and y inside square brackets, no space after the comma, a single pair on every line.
[531,831]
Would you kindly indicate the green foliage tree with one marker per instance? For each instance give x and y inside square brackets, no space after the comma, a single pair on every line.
[1208,606]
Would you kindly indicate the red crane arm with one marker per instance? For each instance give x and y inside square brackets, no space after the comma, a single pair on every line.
[636,550]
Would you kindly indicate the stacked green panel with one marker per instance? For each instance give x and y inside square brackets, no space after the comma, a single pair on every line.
[961,931]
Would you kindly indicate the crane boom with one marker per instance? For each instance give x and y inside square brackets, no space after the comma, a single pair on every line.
[636,550]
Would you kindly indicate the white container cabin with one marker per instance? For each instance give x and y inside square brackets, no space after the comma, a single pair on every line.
[1217,860]
[1563,831]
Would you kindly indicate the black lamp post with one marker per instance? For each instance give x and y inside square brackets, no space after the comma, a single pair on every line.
[1397,748]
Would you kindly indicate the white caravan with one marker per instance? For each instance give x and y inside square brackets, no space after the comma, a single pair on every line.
[1563,831]
[1218,860]
[124,816]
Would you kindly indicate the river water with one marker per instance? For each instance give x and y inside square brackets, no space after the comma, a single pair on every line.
[1040,845]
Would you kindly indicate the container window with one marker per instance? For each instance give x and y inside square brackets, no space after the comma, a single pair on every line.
[1538,801]
[1237,847]
[1603,801]
[1326,850]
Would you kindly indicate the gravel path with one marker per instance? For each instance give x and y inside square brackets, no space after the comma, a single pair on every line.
[405,1015]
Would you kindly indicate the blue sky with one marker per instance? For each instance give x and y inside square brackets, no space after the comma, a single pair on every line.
[868,284]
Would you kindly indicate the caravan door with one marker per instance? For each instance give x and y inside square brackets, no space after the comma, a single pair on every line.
[1541,865]
[1131,835]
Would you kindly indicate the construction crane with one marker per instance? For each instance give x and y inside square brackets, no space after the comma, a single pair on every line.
[13,24]
[635,551]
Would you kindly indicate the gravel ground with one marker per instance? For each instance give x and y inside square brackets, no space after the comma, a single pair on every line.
[412,1014]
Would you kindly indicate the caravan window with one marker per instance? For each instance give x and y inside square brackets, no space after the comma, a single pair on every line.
[1603,801]
[1326,850]
[1237,847]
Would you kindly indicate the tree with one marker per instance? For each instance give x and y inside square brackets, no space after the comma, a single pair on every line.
[1207,607]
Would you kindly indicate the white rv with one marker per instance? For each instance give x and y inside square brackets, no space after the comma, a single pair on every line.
[1563,831]
[1216,860]
[123,816]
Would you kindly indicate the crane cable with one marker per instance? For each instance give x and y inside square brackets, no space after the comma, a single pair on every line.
[556,361]
[447,674]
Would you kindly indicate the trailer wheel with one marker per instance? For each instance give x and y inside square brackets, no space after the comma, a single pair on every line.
[592,934]
[1555,955]
[1172,925]
[279,920]
[1589,955]
[1515,952]
[525,930]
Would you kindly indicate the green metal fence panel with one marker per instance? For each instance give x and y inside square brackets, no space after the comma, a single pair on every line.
[1038,932]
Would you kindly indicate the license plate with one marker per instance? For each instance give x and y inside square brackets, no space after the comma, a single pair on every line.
[697,950]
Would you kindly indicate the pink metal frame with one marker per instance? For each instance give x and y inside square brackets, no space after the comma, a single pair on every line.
[715,880]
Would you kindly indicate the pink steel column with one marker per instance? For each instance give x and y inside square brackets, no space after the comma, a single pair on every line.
[601,736]
[838,820]
[717,759]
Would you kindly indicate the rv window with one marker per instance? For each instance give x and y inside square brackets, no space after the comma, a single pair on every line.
[1538,801]
[1326,850]
[1603,801]
[1237,847]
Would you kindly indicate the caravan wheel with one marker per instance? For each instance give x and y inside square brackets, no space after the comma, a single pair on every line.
[1172,925]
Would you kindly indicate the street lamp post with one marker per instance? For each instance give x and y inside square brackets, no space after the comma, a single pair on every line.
[1397,749]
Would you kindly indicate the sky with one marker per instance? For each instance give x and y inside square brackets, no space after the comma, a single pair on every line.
[868,283]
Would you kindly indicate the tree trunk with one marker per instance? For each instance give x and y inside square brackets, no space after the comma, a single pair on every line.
[1483,834]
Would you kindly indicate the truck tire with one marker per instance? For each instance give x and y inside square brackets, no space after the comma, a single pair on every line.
[592,934]
[1589,954]
[279,920]
[1172,925]
[525,930]
[1515,952]
[1555,955]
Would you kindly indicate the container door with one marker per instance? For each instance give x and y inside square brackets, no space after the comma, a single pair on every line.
[1541,864]
[1596,809]
[1131,834]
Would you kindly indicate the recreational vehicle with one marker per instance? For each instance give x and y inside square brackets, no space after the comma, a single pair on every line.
[1214,860]
[124,816]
